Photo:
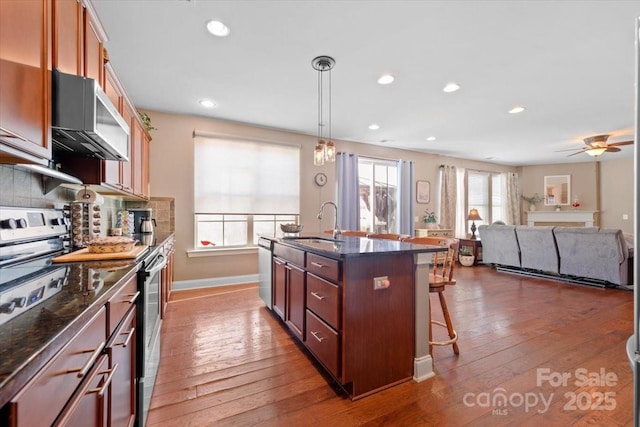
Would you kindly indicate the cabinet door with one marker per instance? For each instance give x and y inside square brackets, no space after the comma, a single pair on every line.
[25,81]
[88,407]
[279,287]
[93,50]
[137,157]
[141,166]
[126,168]
[68,36]
[122,353]
[296,293]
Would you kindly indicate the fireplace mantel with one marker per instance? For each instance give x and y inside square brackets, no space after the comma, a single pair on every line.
[573,216]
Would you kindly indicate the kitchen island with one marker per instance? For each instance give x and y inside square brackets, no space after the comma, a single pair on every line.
[359,305]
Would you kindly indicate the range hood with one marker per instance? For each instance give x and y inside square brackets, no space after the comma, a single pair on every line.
[52,178]
[84,121]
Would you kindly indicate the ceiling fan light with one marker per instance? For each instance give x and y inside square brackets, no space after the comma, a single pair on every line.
[595,152]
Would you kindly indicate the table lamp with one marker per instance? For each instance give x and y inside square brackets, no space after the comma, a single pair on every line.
[473,216]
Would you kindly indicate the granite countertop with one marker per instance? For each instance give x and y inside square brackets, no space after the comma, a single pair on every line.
[30,340]
[349,246]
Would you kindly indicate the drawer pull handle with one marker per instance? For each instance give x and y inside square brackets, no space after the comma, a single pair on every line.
[320,297]
[316,336]
[133,299]
[317,264]
[107,381]
[129,336]
[83,371]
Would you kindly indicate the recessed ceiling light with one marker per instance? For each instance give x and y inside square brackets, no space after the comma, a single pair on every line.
[431,138]
[207,103]
[374,126]
[386,79]
[451,87]
[516,110]
[218,29]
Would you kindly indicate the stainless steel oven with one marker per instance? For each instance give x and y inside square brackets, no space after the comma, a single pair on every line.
[149,325]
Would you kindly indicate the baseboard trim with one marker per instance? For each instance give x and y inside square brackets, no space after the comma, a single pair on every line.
[214,282]
[423,368]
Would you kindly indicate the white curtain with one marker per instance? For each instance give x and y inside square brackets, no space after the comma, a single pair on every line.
[448,196]
[512,202]
[405,197]
[461,216]
[348,192]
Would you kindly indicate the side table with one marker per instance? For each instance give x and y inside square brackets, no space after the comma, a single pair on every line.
[475,246]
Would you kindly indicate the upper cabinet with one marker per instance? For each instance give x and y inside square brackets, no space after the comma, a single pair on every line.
[25,81]
[93,48]
[68,36]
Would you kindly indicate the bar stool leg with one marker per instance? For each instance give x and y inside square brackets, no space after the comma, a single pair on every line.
[447,320]
[430,329]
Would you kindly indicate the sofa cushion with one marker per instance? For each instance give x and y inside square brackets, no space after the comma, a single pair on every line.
[593,253]
[499,245]
[538,248]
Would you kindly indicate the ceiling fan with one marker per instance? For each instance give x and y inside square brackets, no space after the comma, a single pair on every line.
[596,145]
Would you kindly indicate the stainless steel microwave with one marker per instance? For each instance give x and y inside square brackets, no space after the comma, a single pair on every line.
[84,120]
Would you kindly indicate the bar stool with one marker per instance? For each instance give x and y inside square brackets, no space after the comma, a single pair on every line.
[441,276]
[388,236]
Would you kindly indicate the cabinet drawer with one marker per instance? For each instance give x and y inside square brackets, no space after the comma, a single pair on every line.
[323,298]
[324,343]
[56,382]
[325,267]
[292,255]
[120,302]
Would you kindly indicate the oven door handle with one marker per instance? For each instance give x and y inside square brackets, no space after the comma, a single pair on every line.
[158,265]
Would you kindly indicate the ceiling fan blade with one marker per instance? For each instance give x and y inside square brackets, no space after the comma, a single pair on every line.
[611,149]
[621,143]
[577,152]
[562,151]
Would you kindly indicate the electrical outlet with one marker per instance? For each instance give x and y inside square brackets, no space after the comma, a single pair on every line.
[625,217]
[381,282]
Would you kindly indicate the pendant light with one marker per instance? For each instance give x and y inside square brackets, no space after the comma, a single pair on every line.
[325,150]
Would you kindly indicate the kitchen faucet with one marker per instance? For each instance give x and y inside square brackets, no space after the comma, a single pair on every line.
[336,229]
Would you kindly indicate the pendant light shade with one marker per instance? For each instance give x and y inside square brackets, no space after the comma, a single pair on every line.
[325,151]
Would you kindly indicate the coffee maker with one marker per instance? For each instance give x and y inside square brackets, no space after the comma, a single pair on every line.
[140,216]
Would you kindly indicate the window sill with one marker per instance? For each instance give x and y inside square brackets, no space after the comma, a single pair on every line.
[198,253]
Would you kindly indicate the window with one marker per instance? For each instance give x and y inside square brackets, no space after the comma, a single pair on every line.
[485,192]
[378,195]
[243,188]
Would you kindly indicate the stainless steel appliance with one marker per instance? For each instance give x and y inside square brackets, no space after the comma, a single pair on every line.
[29,239]
[149,325]
[84,121]
[141,219]
[265,264]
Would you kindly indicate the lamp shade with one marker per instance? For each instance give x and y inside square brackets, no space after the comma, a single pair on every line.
[474,215]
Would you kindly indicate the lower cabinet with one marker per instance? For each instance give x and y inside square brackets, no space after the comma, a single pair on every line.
[295,311]
[362,335]
[122,360]
[92,380]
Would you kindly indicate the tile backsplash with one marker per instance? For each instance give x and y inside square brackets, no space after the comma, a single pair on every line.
[25,189]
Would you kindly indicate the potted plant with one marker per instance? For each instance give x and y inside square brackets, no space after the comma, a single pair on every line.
[430,219]
[532,200]
[558,208]
[466,257]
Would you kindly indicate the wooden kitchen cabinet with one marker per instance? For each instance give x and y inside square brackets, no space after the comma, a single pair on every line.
[93,48]
[89,406]
[279,287]
[57,381]
[25,81]
[68,36]
[122,357]
[362,335]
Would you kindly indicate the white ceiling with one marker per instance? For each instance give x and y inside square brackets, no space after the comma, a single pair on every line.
[570,63]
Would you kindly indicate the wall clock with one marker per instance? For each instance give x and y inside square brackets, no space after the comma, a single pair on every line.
[320,179]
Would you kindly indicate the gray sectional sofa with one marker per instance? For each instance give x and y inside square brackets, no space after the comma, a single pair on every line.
[590,254]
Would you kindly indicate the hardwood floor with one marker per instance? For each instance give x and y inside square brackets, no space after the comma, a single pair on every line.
[226,360]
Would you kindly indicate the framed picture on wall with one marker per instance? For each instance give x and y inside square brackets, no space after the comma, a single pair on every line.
[423,191]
